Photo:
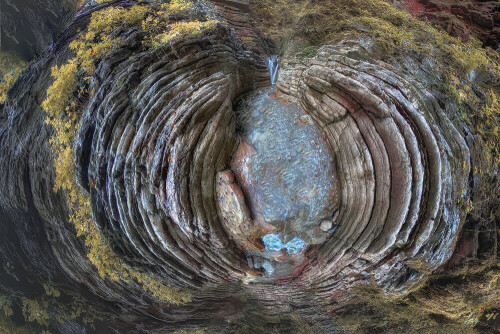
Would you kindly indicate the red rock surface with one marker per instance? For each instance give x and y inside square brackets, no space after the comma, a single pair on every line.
[238,14]
[236,216]
[461,18]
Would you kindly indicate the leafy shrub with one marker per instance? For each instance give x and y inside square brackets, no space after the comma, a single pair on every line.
[33,311]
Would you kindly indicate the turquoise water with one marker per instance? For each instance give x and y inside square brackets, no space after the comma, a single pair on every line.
[287,175]
[273,243]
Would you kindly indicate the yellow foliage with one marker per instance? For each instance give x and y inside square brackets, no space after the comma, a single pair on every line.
[176,6]
[159,20]
[51,290]
[60,90]
[191,331]
[7,82]
[111,18]
[33,311]
[64,116]
[185,29]
[37,310]
[161,30]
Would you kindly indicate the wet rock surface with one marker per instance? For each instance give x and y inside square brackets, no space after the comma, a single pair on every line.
[380,178]
[30,26]
[235,215]
[285,167]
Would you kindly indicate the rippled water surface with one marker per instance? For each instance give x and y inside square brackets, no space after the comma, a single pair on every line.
[286,168]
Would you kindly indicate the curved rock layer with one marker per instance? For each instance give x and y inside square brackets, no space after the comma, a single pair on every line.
[402,165]
[159,127]
[30,26]
[152,148]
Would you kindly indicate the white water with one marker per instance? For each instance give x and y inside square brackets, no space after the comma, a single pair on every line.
[272,64]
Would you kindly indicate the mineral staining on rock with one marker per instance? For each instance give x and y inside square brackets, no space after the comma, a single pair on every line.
[154,142]
[462,19]
[286,172]
[235,215]
[284,167]
[264,248]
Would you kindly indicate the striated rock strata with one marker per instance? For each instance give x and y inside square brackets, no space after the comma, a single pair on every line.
[462,19]
[153,150]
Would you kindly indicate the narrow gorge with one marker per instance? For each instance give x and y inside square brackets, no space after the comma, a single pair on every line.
[250,166]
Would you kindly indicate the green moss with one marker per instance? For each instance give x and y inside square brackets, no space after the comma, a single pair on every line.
[191,331]
[308,52]
[396,32]
[6,83]
[10,61]
[8,326]
[374,312]
[64,115]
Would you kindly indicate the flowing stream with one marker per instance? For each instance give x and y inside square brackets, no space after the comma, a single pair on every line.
[272,64]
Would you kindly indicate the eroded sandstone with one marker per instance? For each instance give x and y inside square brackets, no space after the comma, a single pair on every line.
[164,164]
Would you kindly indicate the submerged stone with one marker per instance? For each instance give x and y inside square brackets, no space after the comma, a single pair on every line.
[235,216]
[284,167]
[326,225]
[273,243]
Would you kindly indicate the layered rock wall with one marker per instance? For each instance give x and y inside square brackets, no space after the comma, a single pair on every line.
[157,127]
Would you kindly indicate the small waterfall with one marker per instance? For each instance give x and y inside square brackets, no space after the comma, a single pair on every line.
[273,68]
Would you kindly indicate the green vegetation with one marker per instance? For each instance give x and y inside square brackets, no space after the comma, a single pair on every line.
[374,312]
[442,304]
[7,82]
[39,312]
[486,124]
[397,35]
[34,311]
[396,32]
[308,52]
[191,331]
[6,306]
[64,112]
[10,61]
[51,290]
[8,326]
